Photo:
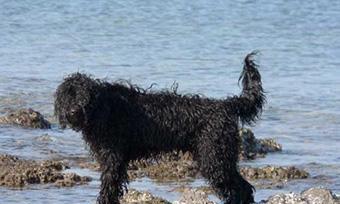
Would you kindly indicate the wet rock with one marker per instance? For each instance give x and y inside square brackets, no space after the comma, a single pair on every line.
[180,166]
[194,196]
[320,196]
[94,166]
[163,167]
[134,196]
[71,179]
[258,184]
[15,172]
[176,165]
[275,173]
[290,198]
[269,184]
[310,196]
[28,118]
[252,148]
[265,146]
[83,162]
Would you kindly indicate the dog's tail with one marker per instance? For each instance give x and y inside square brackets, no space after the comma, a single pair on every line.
[250,103]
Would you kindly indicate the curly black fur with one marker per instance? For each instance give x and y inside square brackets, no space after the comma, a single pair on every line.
[122,122]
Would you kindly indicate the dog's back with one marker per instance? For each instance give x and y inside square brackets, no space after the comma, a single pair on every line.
[177,118]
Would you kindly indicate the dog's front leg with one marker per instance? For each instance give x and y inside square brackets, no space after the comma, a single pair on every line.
[113,178]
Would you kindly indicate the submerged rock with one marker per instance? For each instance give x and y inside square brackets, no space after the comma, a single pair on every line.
[15,172]
[28,118]
[134,196]
[251,148]
[310,196]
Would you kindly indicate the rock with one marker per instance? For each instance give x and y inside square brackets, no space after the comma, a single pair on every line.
[134,196]
[265,146]
[71,179]
[319,196]
[83,162]
[184,168]
[176,165]
[28,118]
[290,198]
[272,172]
[89,165]
[310,196]
[15,172]
[180,166]
[251,148]
[194,196]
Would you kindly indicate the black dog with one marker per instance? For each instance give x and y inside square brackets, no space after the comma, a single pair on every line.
[121,123]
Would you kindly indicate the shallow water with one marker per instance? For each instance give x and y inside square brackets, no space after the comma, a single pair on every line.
[200,45]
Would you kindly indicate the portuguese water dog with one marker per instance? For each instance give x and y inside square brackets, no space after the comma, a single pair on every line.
[121,122]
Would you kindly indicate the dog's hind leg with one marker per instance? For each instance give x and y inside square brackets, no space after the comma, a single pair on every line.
[217,157]
[114,177]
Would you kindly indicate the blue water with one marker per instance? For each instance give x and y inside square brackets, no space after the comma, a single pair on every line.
[199,44]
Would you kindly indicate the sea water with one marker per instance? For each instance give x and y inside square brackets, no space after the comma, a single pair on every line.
[198,44]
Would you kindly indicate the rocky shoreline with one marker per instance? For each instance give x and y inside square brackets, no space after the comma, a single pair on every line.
[16,172]
[174,166]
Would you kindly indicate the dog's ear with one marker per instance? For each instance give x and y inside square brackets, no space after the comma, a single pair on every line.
[72,98]
[96,113]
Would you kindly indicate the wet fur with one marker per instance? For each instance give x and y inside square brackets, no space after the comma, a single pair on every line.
[121,123]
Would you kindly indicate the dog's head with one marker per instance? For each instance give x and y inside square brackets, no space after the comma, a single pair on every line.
[73,100]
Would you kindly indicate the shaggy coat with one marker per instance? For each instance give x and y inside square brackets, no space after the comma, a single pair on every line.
[121,123]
